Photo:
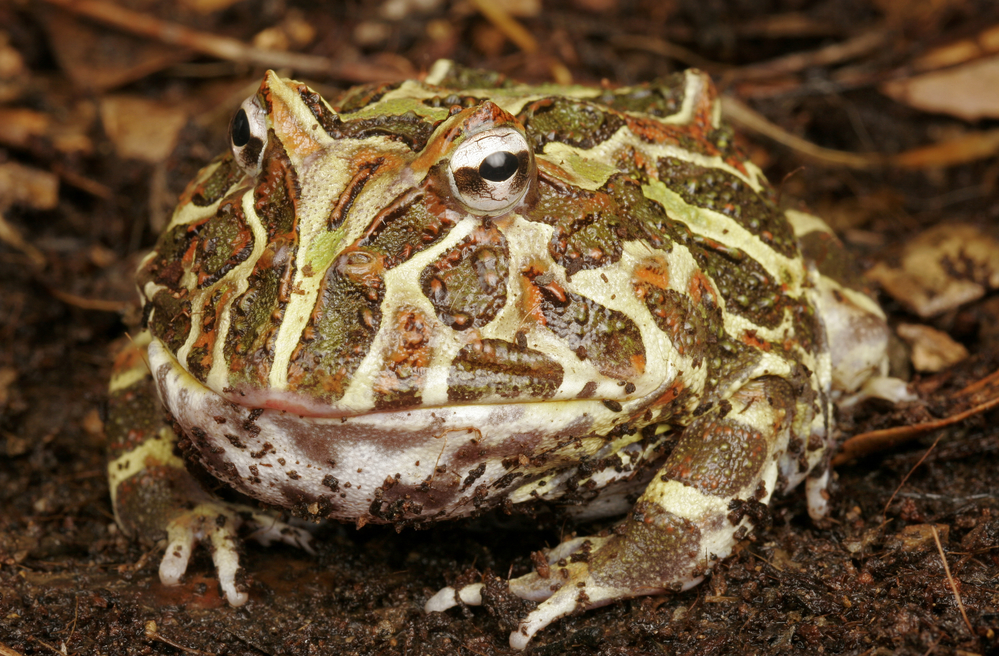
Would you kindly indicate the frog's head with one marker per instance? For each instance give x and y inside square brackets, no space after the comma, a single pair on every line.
[390,251]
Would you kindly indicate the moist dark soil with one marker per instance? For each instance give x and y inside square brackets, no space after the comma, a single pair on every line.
[873,579]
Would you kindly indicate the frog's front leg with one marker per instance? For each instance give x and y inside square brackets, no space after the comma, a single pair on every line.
[681,524]
[153,494]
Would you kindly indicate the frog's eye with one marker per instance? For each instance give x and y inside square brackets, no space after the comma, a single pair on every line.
[248,135]
[491,171]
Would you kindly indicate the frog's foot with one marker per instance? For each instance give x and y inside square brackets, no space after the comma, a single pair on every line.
[218,522]
[653,552]
[703,500]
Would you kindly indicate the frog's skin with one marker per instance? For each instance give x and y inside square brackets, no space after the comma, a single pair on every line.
[429,299]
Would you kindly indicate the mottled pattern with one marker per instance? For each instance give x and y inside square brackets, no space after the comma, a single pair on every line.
[208,191]
[493,367]
[171,319]
[406,361]
[579,124]
[408,128]
[720,191]
[654,548]
[718,456]
[341,328]
[224,241]
[592,331]
[201,355]
[412,223]
[467,283]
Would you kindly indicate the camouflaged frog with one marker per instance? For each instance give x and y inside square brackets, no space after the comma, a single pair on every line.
[432,298]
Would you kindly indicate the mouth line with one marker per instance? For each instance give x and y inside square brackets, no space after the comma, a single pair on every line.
[301,405]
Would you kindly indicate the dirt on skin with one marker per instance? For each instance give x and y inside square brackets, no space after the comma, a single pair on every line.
[870,580]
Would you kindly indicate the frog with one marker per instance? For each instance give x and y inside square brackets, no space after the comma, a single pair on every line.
[427,300]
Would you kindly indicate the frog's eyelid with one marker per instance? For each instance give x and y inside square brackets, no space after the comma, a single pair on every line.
[484,184]
[248,135]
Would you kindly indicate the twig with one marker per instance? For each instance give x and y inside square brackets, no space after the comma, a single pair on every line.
[906,477]
[967,148]
[665,48]
[861,445]
[746,117]
[505,23]
[826,56]
[141,24]
[82,183]
[12,237]
[152,632]
[97,304]
[950,579]
[984,43]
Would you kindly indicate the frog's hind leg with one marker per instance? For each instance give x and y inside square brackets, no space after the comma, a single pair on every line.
[691,514]
[153,494]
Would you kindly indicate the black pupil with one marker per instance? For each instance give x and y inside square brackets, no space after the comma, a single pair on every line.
[499,166]
[240,129]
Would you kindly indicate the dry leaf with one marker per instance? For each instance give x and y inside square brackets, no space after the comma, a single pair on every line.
[98,59]
[941,269]
[19,126]
[27,186]
[932,350]
[967,91]
[140,128]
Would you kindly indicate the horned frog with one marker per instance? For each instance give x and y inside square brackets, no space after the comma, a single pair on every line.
[429,299]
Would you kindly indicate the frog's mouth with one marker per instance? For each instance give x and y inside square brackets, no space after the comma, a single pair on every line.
[409,465]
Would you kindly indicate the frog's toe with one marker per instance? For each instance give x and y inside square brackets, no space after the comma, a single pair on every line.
[449,598]
[218,522]
[270,529]
[569,590]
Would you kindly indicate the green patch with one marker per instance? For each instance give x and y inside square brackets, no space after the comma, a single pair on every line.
[467,284]
[748,289]
[661,98]
[255,317]
[167,267]
[403,120]
[606,337]
[276,193]
[408,229]
[722,192]
[339,333]
[226,173]
[224,242]
[591,226]
[355,98]
[690,326]
[171,318]
[578,123]
[460,78]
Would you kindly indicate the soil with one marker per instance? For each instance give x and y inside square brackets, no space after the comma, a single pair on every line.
[871,580]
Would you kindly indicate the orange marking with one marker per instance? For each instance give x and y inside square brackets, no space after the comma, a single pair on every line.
[530,299]
[670,395]
[412,349]
[750,339]
[296,138]
[701,286]
[652,271]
